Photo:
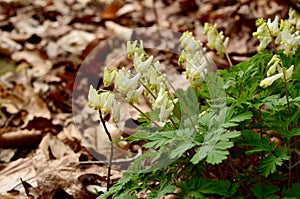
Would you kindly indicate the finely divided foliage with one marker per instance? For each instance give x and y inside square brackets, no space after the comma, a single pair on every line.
[232,134]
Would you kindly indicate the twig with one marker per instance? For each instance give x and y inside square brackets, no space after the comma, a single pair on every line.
[114,162]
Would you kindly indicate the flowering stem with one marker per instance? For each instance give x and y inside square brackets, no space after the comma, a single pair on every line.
[146,116]
[150,92]
[289,140]
[111,149]
[228,59]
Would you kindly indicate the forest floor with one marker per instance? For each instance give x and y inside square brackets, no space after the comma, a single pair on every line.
[48,136]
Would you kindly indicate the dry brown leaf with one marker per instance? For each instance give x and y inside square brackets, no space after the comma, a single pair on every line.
[76,41]
[7,154]
[20,138]
[117,29]
[52,146]
[11,174]
[7,45]
[112,7]
[28,26]
[41,65]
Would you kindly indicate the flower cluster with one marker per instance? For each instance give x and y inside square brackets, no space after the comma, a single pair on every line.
[286,33]
[215,39]
[104,101]
[131,84]
[275,64]
[193,55]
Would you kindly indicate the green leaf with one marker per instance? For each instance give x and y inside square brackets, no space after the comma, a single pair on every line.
[232,121]
[293,132]
[205,188]
[126,196]
[165,189]
[268,165]
[215,147]
[263,191]
[188,102]
[292,192]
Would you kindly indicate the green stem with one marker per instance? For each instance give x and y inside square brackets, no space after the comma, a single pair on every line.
[150,92]
[228,59]
[289,140]
[146,116]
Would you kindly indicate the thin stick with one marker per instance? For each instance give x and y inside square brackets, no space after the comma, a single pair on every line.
[111,149]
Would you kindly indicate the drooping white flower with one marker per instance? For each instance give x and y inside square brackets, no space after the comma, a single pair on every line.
[134,47]
[274,64]
[165,112]
[116,111]
[216,39]
[263,34]
[124,82]
[140,65]
[190,43]
[273,26]
[102,101]
[269,80]
[108,76]
[106,102]
[133,95]
[162,98]
[94,98]
[294,18]
[196,62]
[289,72]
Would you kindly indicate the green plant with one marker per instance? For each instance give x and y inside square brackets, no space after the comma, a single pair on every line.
[232,134]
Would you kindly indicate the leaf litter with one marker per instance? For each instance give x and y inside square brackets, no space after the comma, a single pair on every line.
[40,146]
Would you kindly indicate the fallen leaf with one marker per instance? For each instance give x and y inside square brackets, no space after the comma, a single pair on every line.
[52,146]
[40,65]
[7,45]
[7,154]
[76,41]
[111,8]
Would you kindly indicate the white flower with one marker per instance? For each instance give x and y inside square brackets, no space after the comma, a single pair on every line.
[263,34]
[273,26]
[94,98]
[289,72]
[103,101]
[106,102]
[156,80]
[140,65]
[162,98]
[215,39]
[269,80]
[132,48]
[189,42]
[116,111]
[165,112]
[124,83]
[294,18]
[108,76]
[274,64]
[133,95]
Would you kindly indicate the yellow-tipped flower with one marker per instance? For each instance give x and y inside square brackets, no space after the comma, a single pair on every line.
[274,64]
[103,101]
[269,80]
[215,39]
[108,76]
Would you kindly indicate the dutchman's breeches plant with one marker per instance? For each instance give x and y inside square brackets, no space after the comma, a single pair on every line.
[233,133]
